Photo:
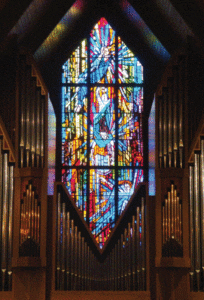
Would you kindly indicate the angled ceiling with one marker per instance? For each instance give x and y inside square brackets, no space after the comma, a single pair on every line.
[51,29]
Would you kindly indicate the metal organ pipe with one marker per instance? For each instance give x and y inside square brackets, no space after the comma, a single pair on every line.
[181,99]
[28,115]
[23,111]
[170,127]
[33,121]
[202,202]
[196,196]
[192,233]
[5,218]
[165,99]
[10,225]
[175,118]
[197,216]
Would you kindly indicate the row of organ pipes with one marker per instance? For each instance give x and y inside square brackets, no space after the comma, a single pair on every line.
[171,107]
[6,218]
[78,268]
[32,117]
[196,195]
[172,216]
[30,216]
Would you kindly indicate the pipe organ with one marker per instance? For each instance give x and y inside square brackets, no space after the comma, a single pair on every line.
[31,165]
[170,105]
[30,222]
[172,248]
[32,117]
[172,224]
[196,198]
[82,265]
[6,212]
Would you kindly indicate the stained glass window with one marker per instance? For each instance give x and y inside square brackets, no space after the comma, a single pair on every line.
[102,138]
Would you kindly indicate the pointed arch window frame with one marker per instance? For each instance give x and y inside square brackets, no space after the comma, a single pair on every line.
[87,165]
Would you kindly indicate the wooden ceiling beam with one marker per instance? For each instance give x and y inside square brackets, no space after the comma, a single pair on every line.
[193,15]
[158,23]
[55,11]
[10,14]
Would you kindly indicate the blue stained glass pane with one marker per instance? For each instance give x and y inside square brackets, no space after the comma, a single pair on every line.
[128,179]
[75,181]
[130,69]
[101,202]
[130,144]
[74,127]
[102,129]
[102,53]
[75,68]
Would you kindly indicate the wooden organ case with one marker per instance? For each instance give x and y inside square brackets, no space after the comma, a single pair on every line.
[172,247]
[30,179]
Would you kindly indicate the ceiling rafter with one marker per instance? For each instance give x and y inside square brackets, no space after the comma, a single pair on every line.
[46,24]
[158,23]
[10,14]
[193,14]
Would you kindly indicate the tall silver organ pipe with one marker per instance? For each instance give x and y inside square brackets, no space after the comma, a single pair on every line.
[202,202]
[23,110]
[197,216]
[165,132]
[196,200]
[6,217]
[170,127]
[192,233]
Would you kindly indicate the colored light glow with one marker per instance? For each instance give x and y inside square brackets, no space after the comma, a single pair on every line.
[174,19]
[145,31]
[90,127]
[151,124]
[30,18]
[51,147]
[60,31]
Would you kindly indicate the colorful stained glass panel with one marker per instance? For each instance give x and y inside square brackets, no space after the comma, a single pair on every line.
[102,53]
[130,138]
[130,69]
[128,179]
[102,129]
[75,68]
[74,128]
[75,181]
[101,202]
